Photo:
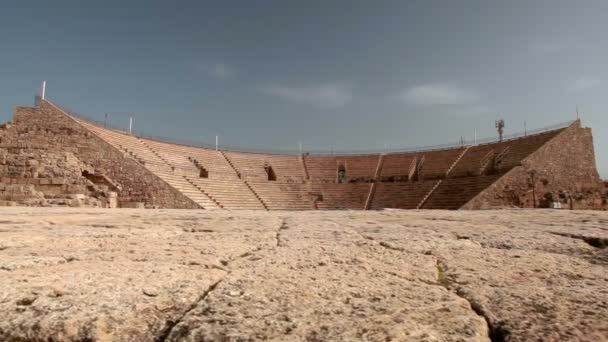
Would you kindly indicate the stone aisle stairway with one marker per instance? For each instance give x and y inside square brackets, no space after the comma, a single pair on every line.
[243,181]
[429,194]
[181,183]
[374,184]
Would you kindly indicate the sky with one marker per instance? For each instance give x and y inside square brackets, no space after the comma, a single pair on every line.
[331,75]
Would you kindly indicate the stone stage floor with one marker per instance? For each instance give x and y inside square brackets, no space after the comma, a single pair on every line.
[156,275]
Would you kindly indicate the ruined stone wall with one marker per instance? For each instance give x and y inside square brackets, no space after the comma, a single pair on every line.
[605,195]
[563,169]
[38,176]
[4,131]
[47,126]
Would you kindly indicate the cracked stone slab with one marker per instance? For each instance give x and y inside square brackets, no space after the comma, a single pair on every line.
[113,275]
[192,275]
[326,283]
[530,283]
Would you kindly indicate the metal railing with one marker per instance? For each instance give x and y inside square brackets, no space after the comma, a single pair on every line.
[193,143]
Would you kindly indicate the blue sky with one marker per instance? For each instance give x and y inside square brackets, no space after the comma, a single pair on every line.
[341,75]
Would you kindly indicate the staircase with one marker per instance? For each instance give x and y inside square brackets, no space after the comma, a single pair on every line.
[256,195]
[242,180]
[412,170]
[230,163]
[101,179]
[379,167]
[181,183]
[303,161]
[373,186]
[210,202]
[501,155]
[153,151]
[370,196]
[129,154]
[419,167]
[487,160]
[429,194]
[457,160]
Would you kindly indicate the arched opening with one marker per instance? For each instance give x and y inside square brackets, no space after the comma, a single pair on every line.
[270,173]
[341,173]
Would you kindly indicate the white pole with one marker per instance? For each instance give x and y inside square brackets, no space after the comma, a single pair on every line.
[217,142]
[475,137]
[43,89]
[525,129]
[130,124]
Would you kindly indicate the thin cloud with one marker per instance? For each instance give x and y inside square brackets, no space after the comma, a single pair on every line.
[327,95]
[543,48]
[585,82]
[438,94]
[218,70]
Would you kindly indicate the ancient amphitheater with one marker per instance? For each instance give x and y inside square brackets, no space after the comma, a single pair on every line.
[94,248]
[52,156]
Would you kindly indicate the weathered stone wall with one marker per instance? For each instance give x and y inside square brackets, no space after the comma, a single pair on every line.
[26,162]
[562,170]
[37,176]
[605,195]
[47,126]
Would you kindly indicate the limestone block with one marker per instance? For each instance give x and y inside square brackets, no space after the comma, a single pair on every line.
[136,205]
[75,203]
[112,203]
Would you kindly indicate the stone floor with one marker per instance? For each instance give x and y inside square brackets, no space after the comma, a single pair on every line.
[182,275]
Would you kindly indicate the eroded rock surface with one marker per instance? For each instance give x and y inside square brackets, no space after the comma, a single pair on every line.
[180,275]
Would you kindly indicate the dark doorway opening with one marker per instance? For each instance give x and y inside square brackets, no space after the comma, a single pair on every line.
[203,173]
[270,173]
[341,173]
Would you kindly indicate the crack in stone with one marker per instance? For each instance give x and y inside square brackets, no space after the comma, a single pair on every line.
[380,243]
[170,325]
[593,241]
[497,332]
[391,247]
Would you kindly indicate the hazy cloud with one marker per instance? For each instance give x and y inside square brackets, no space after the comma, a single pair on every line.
[438,94]
[218,70]
[543,48]
[327,95]
[585,82]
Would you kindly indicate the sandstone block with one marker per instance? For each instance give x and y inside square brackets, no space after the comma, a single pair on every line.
[78,197]
[135,205]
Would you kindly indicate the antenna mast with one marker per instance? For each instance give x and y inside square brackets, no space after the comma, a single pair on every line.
[500,125]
